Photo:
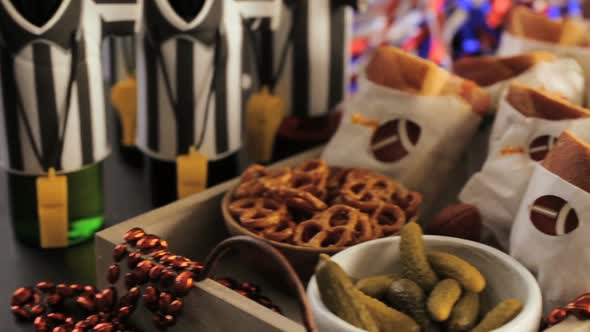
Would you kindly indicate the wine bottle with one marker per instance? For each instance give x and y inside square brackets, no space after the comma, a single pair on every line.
[163,177]
[54,132]
[311,77]
[85,205]
[193,85]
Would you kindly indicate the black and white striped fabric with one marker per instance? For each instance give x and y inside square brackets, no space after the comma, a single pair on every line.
[315,78]
[169,125]
[36,62]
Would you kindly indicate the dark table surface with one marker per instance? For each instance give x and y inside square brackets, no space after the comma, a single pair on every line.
[126,195]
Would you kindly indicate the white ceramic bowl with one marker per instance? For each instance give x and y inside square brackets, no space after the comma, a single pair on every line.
[505,277]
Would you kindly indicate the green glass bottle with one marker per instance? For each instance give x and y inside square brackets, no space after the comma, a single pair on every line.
[85,205]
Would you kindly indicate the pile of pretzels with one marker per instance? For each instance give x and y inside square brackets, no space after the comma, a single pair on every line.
[314,205]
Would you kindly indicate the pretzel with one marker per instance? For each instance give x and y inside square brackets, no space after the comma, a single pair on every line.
[238,207]
[407,200]
[364,229]
[257,179]
[277,177]
[311,176]
[336,198]
[258,213]
[251,188]
[298,199]
[336,177]
[334,227]
[314,184]
[316,206]
[410,203]
[312,234]
[282,232]
[387,220]
[254,172]
[367,192]
[260,219]
[313,167]
[249,185]
[247,208]
[358,174]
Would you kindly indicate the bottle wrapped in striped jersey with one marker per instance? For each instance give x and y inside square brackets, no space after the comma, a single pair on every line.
[52,113]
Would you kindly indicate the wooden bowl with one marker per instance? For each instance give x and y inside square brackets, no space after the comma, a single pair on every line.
[303,259]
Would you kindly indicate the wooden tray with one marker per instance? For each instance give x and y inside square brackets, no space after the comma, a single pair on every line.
[193,226]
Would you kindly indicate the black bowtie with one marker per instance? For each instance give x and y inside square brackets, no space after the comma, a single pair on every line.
[159,29]
[14,37]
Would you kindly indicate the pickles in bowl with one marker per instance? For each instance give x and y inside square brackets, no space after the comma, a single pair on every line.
[424,283]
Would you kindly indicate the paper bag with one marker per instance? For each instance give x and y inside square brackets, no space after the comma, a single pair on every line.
[512,45]
[550,237]
[415,140]
[563,76]
[517,144]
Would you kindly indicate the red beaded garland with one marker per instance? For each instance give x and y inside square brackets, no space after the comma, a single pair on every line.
[580,308]
[170,278]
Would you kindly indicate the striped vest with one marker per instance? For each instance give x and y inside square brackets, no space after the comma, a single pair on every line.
[179,104]
[315,77]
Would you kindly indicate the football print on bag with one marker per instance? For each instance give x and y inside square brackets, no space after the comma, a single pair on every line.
[553,216]
[540,146]
[394,139]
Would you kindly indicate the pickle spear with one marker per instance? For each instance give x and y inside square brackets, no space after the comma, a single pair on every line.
[341,297]
[414,263]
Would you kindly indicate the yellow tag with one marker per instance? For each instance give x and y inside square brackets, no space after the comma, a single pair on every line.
[264,116]
[124,98]
[191,173]
[52,208]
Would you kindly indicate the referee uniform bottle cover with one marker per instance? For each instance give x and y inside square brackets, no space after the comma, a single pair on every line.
[52,112]
[309,55]
[195,76]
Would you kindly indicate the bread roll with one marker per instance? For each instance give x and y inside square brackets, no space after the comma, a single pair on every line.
[397,69]
[487,70]
[400,70]
[570,160]
[523,22]
[537,103]
[478,98]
